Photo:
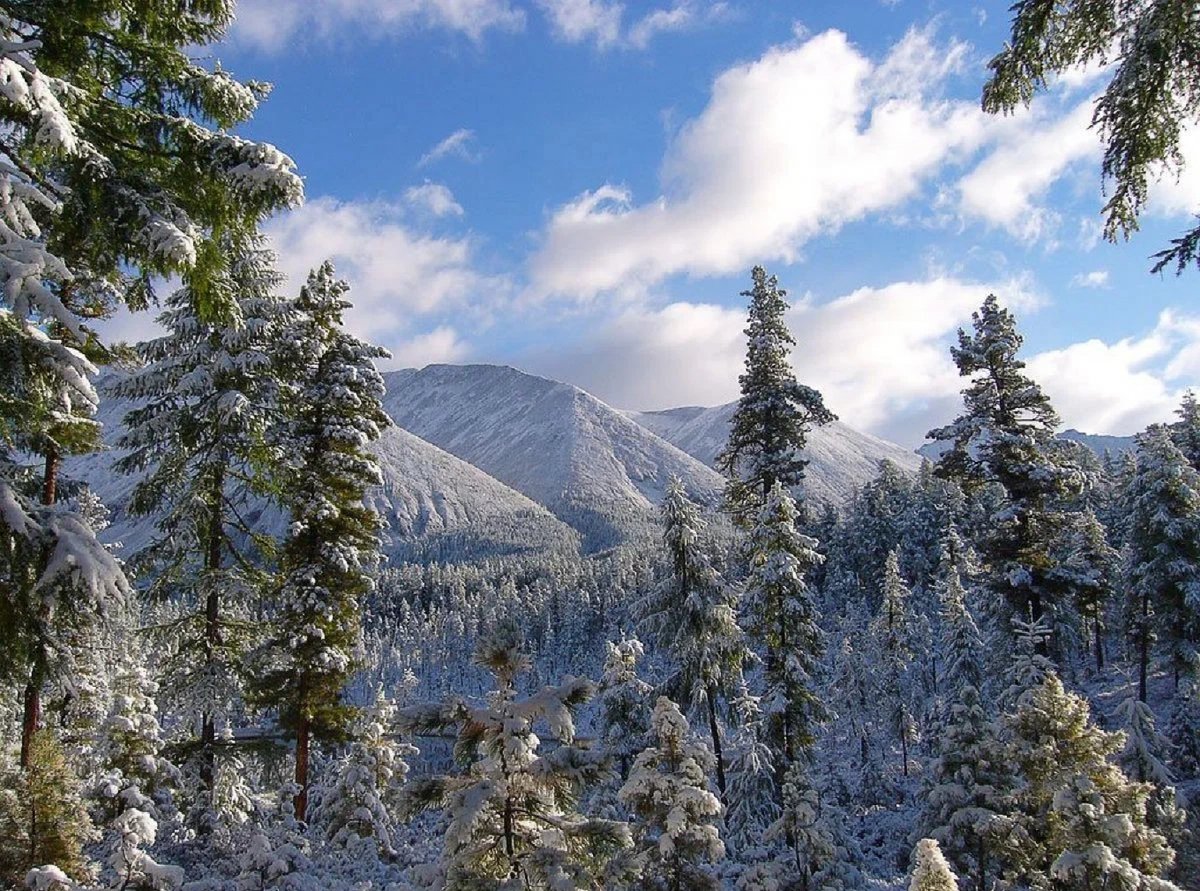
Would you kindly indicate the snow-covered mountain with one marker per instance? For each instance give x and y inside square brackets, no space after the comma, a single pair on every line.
[437,506]
[1098,443]
[589,464]
[841,458]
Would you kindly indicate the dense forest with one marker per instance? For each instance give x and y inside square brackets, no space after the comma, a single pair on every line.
[982,676]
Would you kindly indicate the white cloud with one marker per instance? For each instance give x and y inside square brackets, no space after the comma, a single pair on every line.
[1177,193]
[880,355]
[601,22]
[1033,153]
[576,21]
[275,25]
[799,142]
[1097,278]
[442,344]
[1119,388]
[395,272]
[433,198]
[458,144]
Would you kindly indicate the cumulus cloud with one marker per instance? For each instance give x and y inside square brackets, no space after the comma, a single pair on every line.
[1097,278]
[879,355]
[1177,192]
[799,142]
[442,344]
[1119,388]
[601,22]
[275,25]
[433,198]
[459,144]
[1033,153]
[395,272]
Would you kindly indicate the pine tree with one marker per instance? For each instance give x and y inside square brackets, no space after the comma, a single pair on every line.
[42,817]
[624,702]
[120,168]
[512,823]
[754,802]
[892,632]
[961,644]
[769,429]
[334,411]
[814,856]
[676,815]
[135,830]
[782,617]
[1164,555]
[1087,573]
[1186,431]
[1080,820]
[1005,437]
[691,615]
[930,870]
[354,810]
[205,401]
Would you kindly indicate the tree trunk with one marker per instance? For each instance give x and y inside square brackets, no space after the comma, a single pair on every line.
[710,697]
[904,744]
[31,715]
[302,737]
[212,627]
[1144,647]
[1098,644]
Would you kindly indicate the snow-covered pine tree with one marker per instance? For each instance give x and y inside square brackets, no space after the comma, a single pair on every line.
[624,702]
[930,870]
[1163,561]
[1087,573]
[781,616]
[1005,437]
[961,643]
[43,820]
[1186,431]
[966,787]
[692,616]
[204,402]
[512,819]
[354,811]
[333,412]
[1144,745]
[1080,821]
[814,855]
[675,813]
[753,799]
[769,429]
[892,633]
[119,167]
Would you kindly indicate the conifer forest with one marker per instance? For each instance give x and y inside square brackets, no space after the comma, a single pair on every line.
[274,616]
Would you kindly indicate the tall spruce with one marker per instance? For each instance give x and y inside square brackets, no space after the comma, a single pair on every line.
[1005,438]
[333,398]
[1163,569]
[205,400]
[781,616]
[119,167]
[692,615]
[775,413]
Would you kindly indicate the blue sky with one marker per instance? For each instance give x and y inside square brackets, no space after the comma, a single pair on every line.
[580,188]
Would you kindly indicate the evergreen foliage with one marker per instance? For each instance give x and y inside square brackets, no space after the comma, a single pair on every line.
[774,414]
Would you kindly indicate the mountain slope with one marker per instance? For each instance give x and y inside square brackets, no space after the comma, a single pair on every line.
[436,505]
[841,458]
[589,464]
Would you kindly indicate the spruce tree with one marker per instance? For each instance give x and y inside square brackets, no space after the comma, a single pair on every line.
[1087,572]
[782,617]
[892,633]
[624,702]
[333,411]
[512,822]
[1186,431]
[205,401]
[930,870]
[770,427]
[691,615]
[1163,568]
[1080,821]
[1005,438]
[676,815]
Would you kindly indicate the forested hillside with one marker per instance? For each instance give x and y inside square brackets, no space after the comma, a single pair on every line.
[273,618]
